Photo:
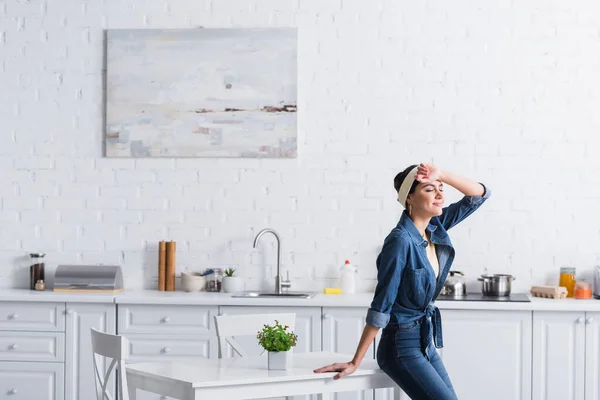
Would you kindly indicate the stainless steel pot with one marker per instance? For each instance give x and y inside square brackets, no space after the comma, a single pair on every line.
[455,285]
[496,285]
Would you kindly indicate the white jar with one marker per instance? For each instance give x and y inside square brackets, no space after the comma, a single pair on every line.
[348,280]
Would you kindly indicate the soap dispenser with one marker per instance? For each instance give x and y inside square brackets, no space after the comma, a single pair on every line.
[347,280]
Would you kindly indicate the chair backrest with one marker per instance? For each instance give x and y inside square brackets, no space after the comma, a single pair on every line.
[114,347]
[228,326]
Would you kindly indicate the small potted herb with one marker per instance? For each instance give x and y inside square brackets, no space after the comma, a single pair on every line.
[278,342]
[232,283]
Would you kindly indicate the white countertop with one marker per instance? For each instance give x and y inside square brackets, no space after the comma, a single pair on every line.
[58,297]
[320,300]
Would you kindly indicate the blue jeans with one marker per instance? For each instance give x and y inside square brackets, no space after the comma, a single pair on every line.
[419,373]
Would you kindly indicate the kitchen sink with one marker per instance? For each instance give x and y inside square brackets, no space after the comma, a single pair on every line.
[285,294]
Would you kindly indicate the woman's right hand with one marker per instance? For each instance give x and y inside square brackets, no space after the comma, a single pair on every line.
[343,369]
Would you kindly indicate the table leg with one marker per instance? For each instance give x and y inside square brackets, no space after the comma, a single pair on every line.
[131,386]
[132,392]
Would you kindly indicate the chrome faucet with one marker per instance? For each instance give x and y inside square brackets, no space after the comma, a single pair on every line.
[279,283]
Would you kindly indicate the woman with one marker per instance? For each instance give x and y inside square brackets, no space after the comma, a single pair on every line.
[411,270]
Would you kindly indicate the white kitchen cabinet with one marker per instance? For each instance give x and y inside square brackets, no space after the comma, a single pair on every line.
[166,319]
[342,329]
[488,354]
[171,332]
[80,318]
[35,316]
[32,381]
[559,354]
[592,356]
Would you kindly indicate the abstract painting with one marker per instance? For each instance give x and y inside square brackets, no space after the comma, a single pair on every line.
[201,93]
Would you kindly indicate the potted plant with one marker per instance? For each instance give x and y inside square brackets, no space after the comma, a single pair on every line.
[231,283]
[278,342]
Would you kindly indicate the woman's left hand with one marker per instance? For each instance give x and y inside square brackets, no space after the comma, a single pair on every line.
[428,173]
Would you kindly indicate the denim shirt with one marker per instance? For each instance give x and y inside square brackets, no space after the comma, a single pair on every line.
[406,283]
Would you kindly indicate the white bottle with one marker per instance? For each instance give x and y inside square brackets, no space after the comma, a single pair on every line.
[347,280]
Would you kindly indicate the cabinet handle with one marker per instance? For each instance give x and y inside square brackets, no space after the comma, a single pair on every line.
[590,320]
[13,346]
[165,350]
[69,311]
[326,316]
[165,320]
[580,320]
[13,316]
[12,391]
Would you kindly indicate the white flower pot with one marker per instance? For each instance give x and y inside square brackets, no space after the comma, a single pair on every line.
[280,360]
[232,284]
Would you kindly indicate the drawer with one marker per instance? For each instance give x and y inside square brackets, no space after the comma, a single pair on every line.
[173,320]
[148,348]
[32,346]
[31,381]
[15,316]
[142,395]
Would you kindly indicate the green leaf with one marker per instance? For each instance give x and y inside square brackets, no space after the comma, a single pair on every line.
[276,337]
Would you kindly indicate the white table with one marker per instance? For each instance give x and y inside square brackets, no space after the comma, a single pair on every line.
[248,378]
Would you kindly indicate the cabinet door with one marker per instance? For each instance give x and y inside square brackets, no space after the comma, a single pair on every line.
[484,350]
[26,316]
[558,355]
[342,328]
[592,356]
[80,383]
[31,381]
[151,348]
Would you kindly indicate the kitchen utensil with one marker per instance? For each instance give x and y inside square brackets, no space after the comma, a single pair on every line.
[192,281]
[496,284]
[549,292]
[455,285]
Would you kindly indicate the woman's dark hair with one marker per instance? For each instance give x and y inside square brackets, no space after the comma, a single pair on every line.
[400,178]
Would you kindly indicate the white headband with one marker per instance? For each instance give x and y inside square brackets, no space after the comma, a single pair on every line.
[405,187]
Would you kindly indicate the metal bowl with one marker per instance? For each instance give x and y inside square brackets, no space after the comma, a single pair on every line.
[496,285]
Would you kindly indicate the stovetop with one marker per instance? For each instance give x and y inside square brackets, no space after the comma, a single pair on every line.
[513,297]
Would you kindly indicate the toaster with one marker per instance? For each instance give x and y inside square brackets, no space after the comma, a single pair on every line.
[597,281]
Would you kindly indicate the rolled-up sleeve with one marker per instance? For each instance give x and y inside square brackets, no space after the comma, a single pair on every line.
[390,264]
[457,212]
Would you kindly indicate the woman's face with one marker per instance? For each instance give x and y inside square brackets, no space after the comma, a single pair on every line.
[427,200]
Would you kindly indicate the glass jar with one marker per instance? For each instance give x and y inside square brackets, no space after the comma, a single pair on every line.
[583,290]
[36,269]
[213,281]
[567,280]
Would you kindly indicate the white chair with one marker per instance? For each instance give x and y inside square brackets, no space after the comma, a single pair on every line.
[115,347]
[230,326]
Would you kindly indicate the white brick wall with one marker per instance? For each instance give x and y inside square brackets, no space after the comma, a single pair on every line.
[505,92]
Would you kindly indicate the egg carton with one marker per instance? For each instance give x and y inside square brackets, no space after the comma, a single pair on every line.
[549,292]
